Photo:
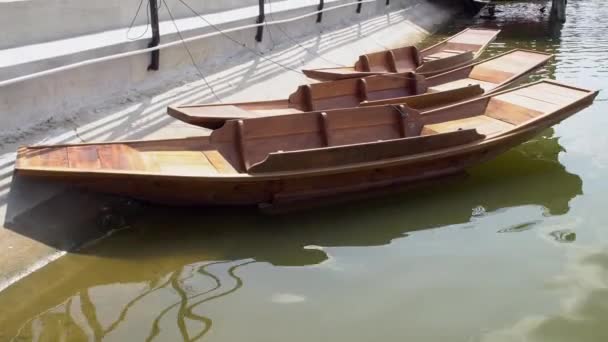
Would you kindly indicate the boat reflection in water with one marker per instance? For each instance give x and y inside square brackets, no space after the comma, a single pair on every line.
[160,279]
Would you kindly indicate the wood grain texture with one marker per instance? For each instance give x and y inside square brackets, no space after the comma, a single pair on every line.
[370,152]
[347,93]
[306,155]
[458,50]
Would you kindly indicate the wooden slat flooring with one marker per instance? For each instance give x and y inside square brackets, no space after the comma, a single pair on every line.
[83,157]
[486,86]
[509,112]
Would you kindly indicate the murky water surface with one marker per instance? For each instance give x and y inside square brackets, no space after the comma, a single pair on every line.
[516,252]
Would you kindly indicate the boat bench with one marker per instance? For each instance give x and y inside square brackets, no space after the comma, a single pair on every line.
[361,153]
[262,142]
[352,92]
[404,59]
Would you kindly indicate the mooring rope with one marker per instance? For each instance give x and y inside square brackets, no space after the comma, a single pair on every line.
[190,53]
[270,13]
[164,46]
[236,41]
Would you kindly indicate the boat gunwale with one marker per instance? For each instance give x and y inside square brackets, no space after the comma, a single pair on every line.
[504,85]
[325,74]
[490,140]
[479,52]
[550,55]
[473,59]
[286,101]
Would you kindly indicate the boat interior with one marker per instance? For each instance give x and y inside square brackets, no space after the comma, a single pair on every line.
[469,40]
[490,75]
[401,60]
[458,50]
[315,141]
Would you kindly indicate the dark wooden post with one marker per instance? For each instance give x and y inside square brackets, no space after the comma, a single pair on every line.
[261,18]
[359,6]
[558,10]
[155,61]
[320,8]
[471,7]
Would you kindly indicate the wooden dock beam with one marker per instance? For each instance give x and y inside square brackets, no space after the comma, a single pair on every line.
[558,10]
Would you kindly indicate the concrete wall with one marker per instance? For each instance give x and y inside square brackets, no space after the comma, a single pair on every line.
[35,21]
[58,97]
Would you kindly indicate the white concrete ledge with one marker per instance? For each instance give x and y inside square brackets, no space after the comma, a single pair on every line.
[30,58]
[35,21]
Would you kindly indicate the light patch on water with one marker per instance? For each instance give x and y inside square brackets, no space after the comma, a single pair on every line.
[313,247]
[287,298]
[582,287]
[330,263]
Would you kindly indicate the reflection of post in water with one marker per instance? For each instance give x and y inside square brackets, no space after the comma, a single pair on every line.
[217,284]
[558,10]
[186,309]
[89,322]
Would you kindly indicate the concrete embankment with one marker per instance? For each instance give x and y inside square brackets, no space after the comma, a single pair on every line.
[120,99]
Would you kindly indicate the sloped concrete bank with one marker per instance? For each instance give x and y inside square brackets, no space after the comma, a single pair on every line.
[121,100]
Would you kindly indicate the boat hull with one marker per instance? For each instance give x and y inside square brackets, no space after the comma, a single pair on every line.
[270,160]
[271,189]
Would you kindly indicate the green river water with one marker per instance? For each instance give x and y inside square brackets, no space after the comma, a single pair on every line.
[518,251]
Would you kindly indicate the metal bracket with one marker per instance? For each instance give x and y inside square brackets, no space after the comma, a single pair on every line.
[155,60]
[261,18]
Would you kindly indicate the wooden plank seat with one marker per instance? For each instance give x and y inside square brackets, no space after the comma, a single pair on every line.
[361,153]
[256,141]
[351,92]
[400,60]
[330,139]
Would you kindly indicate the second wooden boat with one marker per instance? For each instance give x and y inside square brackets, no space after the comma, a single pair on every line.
[456,51]
[416,91]
[291,158]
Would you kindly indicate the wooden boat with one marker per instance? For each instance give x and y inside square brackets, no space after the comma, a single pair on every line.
[491,75]
[456,51]
[291,158]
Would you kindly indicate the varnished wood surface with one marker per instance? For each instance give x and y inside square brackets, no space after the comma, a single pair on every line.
[471,39]
[508,67]
[456,51]
[493,74]
[259,160]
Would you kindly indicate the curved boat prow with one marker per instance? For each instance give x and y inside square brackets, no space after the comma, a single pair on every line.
[491,75]
[305,155]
